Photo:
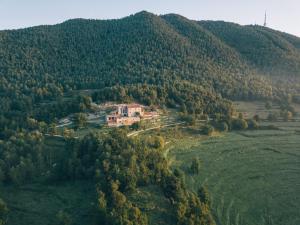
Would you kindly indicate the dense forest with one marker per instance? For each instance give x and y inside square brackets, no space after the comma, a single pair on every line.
[170,53]
[170,61]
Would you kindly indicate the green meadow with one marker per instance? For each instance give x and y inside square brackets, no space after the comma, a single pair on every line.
[253,176]
[38,204]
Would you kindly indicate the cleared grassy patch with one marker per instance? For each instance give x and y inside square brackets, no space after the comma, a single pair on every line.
[253,176]
[153,202]
[39,204]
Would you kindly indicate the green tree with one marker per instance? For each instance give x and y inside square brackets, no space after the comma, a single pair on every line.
[208,130]
[80,120]
[64,218]
[252,124]
[136,126]
[203,195]
[268,105]
[239,124]
[223,126]
[195,166]
[256,118]
[3,212]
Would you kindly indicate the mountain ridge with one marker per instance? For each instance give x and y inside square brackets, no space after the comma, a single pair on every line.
[232,60]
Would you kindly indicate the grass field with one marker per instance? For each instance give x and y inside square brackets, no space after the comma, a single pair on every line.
[40,204]
[253,176]
[153,202]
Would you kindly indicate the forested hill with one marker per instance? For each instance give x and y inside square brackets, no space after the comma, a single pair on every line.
[269,51]
[165,60]
[147,48]
[139,48]
[161,61]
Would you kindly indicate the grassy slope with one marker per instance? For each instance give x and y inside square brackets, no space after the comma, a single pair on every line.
[157,207]
[253,176]
[39,204]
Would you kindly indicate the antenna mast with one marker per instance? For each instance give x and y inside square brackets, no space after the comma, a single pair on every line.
[265,23]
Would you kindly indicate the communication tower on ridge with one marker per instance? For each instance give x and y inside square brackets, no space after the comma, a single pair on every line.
[265,22]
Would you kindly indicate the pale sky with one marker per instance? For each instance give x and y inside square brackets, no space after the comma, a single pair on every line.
[283,15]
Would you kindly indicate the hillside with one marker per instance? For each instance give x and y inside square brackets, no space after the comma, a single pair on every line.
[269,51]
[189,71]
[181,62]
[143,48]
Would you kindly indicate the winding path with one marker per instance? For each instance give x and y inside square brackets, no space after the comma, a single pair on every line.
[135,133]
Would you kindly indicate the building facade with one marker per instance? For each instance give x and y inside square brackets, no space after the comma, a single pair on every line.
[125,115]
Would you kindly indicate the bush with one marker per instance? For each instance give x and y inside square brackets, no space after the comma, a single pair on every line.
[268,105]
[64,218]
[256,118]
[252,124]
[239,124]
[189,119]
[3,212]
[223,126]
[208,130]
[203,195]
[195,166]
[136,126]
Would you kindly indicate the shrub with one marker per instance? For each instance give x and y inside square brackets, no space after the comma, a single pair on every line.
[195,166]
[136,126]
[223,126]
[208,130]
[252,124]
[3,212]
[239,124]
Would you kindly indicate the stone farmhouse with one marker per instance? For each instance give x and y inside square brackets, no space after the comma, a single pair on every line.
[128,114]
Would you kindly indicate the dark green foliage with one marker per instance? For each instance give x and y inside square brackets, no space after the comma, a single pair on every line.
[155,60]
[268,105]
[208,129]
[194,98]
[223,126]
[239,124]
[195,166]
[189,119]
[123,164]
[179,174]
[117,163]
[252,124]
[256,118]
[136,126]
[80,120]
[203,195]
[166,60]
[269,51]
[3,212]
[64,218]
[22,158]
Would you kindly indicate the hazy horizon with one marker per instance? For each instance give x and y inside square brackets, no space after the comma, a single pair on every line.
[281,16]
